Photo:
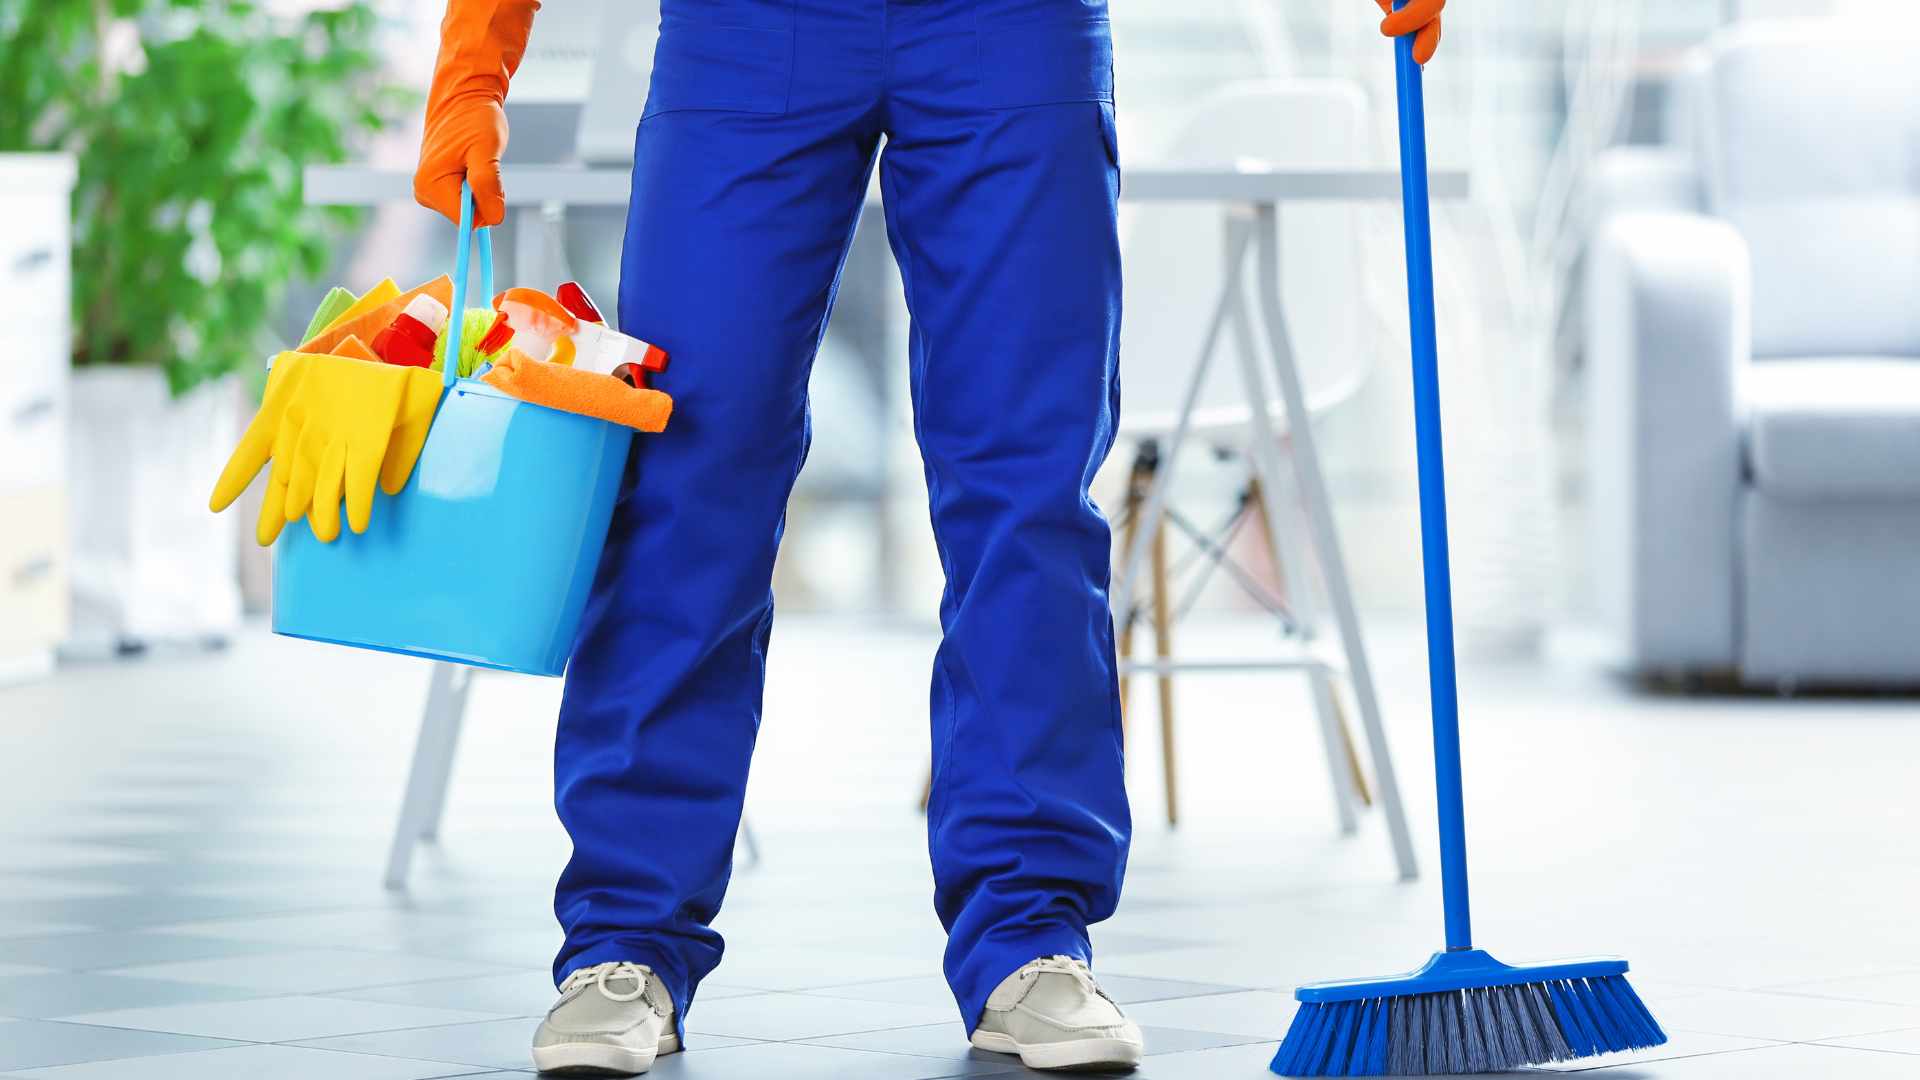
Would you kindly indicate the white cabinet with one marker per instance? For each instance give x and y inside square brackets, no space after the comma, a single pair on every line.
[35,552]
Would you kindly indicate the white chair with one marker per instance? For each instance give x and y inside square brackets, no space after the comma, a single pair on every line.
[1173,288]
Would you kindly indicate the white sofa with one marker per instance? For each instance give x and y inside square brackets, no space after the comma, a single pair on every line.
[1753,356]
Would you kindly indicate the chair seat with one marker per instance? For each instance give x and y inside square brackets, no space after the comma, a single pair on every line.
[1837,428]
[1231,425]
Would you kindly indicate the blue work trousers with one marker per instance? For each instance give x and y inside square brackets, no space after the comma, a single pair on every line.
[999,177]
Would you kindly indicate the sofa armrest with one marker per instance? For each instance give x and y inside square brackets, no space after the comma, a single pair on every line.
[1630,179]
[1668,331]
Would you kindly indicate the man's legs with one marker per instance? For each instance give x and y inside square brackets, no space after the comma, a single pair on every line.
[1000,184]
[748,177]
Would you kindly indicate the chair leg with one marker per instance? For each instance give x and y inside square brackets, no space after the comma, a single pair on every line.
[432,765]
[1344,797]
[1360,787]
[1163,651]
[747,840]
[1146,462]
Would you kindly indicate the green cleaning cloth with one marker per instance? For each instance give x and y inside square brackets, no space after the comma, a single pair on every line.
[478,321]
[337,300]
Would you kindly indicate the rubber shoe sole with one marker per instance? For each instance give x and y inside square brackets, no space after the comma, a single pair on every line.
[1072,1054]
[599,1059]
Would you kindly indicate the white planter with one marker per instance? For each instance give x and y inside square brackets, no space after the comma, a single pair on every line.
[150,563]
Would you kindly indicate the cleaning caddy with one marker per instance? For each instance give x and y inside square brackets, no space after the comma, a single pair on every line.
[485,437]
[1464,1012]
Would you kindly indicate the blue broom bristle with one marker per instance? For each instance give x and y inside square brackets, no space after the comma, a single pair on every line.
[1467,1031]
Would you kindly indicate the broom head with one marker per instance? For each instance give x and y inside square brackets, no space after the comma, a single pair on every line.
[1465,1012]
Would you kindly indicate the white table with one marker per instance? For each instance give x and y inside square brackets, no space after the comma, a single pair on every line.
[1250,198]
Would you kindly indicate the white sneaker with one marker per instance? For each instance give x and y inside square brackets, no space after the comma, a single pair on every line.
[1055,1016]
[612,1019]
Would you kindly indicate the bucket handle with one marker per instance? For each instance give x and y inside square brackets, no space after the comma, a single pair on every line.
[457,317]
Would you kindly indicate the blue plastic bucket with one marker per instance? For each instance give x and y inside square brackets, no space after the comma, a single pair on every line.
[516,496]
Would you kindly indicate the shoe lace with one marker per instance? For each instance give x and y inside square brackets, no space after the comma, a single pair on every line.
[1063,965]
[598,974]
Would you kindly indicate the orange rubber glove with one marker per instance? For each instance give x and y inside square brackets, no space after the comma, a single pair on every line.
[1420,18]
[481,43]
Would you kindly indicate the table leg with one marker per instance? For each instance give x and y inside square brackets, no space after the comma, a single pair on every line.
[1326,537]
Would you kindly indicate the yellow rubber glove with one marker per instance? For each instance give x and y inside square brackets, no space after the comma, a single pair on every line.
[347,413]
[333,427]
[266,437]
[417,409]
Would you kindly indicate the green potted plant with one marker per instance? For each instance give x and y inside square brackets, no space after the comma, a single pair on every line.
[191,122]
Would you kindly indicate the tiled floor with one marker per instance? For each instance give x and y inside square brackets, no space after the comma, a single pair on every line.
[190,849]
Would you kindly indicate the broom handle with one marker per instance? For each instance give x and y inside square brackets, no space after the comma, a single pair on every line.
[1433,494]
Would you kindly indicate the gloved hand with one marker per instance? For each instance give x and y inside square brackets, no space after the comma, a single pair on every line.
[481,43]
[1420,18]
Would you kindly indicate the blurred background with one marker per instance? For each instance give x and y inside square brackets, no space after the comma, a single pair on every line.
[1679,259]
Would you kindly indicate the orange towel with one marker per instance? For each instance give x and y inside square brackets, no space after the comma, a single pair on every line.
[357,349]
[577,390]
[372,322]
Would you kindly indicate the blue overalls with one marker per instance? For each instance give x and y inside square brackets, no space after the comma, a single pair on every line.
[999,177]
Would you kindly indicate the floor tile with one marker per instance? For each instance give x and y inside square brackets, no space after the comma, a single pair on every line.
[1787,1062]
[1136,989]
[932,990]
[950,1041]
[364,929]
[1256,1013]
[492,1044]
[133,910]
[132,833]
[19,928]
[532,947]
[28,1044]
[278,1062]
[1895,988]
[802,968]
[117,948]
[1903,1041]
[1679,1044]
[800,1016]
[524,993]
[799,1061]
[1785,1017]
[1248,1060]
[38,887]
[927,990]
[306,971]
[41,997]
[280,1019]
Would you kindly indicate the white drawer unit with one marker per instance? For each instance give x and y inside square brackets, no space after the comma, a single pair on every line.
[35,342]
[33,414]
[34,253]
[33,574]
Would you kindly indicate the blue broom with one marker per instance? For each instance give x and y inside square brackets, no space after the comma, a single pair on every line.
[1464,1012]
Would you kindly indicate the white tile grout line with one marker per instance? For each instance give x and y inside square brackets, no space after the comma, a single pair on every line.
[1767,1044]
